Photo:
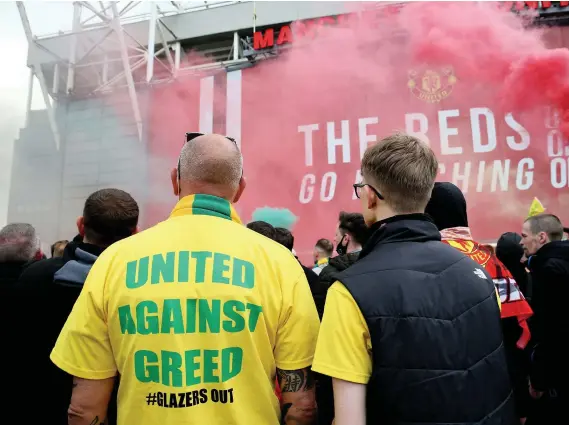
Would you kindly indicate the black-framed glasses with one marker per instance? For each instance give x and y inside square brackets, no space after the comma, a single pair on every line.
[192,135]
[358,190]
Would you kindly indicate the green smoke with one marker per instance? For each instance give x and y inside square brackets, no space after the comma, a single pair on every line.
[277,217]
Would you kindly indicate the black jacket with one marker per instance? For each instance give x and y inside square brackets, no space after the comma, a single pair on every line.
[48,289]
[550,323]
[434,323]
[10,273]
[329,275]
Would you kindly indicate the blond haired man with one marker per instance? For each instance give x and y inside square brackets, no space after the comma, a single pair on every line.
[411,332]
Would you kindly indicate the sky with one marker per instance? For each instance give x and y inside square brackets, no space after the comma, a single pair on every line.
[14,76]
[14,73]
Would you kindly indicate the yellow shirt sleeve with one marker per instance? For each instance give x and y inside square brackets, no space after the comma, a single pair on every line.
[83,348]
[298,326]
[343,350]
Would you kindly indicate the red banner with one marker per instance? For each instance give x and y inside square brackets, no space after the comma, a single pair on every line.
[302,145]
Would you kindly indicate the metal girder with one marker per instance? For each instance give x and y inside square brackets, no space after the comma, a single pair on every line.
[178,6]
[73,47]
[127,69]
[36,67]
[100,15]
[30,96]
[151,42]
[165,45]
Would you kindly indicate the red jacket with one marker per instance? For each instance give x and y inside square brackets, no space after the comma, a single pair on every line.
[513,301]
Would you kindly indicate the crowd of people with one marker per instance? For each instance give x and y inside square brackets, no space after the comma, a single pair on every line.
[204,320]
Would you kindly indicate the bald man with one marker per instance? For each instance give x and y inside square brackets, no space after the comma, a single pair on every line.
[198,314]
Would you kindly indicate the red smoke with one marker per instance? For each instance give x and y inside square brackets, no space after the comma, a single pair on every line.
[360,68]
[353,79]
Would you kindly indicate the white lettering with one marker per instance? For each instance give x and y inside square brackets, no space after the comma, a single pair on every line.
[446,132]
[308,130]
[551,117]
[307,189]
[518,128]
[343,141]
[456,176]
[328,184]
[421,132]
[442,168]
[524,179]
[481,176]
[475,114]
[554,144]
[558,173]
[365,138]
[500,173]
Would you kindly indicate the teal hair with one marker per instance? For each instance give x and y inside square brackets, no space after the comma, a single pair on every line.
[277,217]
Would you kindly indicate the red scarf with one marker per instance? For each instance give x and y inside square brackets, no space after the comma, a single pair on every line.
[513,301]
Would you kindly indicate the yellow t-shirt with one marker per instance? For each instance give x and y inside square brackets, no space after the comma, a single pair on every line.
[195,314]
[349,359]
[343,321]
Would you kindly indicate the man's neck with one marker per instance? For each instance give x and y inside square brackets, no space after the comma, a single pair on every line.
[354,248]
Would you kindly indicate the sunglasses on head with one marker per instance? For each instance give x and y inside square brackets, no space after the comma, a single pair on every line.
[191,136]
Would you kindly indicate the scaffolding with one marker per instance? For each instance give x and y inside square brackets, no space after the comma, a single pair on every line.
[104,55]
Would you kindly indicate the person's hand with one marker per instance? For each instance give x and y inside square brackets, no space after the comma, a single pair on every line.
[534,393]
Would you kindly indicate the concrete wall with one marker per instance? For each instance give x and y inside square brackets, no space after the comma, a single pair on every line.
[99,149]
[35,187]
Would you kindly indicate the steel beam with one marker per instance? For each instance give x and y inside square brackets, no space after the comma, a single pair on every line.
[236,45]
[73,47]
[166,48]
[128,72]
[55,84]
[30,95]
[39,73]
[100,15]
[177,56]
[151,41]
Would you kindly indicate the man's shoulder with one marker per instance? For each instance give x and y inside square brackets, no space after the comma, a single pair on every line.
[435,256]
[41,271]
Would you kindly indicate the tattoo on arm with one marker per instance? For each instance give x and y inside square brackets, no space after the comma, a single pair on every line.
[97,422]
[292,381]
[298,396]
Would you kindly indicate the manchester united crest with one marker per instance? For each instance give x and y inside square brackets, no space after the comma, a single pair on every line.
[471,249]
[432,85]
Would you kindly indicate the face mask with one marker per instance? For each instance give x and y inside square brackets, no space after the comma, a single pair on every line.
[342,249]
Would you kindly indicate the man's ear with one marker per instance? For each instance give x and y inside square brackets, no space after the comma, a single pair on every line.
[81,226]
[371,198]
[542,238]
[240,189]
[174,178]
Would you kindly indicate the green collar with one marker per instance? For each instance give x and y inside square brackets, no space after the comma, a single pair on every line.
[202,204]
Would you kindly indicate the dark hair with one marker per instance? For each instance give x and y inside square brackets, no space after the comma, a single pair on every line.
[284,237]
[263,228]
[325,245]
[354,225]
[510,252]
[547,223]
[109,215]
